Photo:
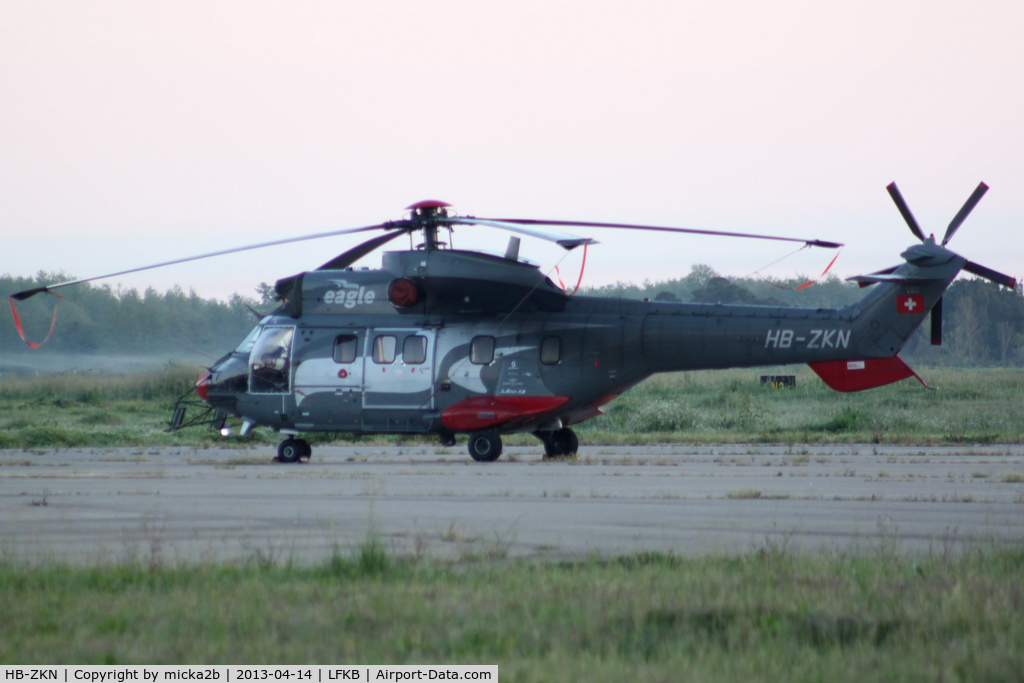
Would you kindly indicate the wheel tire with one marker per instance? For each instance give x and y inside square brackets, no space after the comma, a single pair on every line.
[289,450]
[570,443]
[560,443]
[307,450]
[552,445]
[484,446]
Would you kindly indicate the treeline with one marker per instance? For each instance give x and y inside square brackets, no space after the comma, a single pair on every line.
[983,323]
[107,320]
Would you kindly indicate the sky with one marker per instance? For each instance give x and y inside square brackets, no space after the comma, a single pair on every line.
[137,132]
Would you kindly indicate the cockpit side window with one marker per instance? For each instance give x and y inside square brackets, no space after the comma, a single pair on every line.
[270,361]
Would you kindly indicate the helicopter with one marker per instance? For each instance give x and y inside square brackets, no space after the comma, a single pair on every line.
[443,341]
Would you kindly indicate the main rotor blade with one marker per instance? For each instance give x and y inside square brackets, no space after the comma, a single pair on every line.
[966,209]
[894,192]
[346,259]
[32,292]
[562,239]
[629,226]
[989,274]
[937,323]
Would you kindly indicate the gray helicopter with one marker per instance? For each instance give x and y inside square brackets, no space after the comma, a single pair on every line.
[444,341]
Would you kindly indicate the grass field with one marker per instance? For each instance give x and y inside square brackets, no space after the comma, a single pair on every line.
[970,406]
[771,615]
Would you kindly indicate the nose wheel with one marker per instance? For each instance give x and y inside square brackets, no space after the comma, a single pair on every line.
[292,450]
[484,446]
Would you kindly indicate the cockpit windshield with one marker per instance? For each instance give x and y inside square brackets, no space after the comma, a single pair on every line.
[246,345]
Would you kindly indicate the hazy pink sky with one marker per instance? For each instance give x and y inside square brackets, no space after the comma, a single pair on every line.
[134,132]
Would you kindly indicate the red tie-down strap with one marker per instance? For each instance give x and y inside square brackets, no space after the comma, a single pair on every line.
[580,280]
[21,332]
[804,285]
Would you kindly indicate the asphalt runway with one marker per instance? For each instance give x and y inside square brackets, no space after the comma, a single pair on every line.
[179,504]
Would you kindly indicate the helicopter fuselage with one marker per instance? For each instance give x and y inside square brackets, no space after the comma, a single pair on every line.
[474,342]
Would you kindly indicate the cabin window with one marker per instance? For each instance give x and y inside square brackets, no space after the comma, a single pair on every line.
[481,351]
[384,349]
[345,347]
[414,350]
[550,350]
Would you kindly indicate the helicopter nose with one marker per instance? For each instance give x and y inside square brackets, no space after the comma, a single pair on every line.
[202,383]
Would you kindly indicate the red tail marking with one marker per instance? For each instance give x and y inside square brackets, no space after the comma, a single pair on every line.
[858,375]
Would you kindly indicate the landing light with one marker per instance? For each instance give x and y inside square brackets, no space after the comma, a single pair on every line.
[225,431]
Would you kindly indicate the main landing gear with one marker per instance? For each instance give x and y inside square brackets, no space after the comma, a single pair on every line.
[484,446]
[291,450]
[559,443]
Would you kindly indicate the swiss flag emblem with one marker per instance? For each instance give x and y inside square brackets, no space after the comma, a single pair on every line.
[910,303]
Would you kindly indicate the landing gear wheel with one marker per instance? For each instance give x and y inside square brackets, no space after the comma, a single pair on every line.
[307,450]
[567,438]
[447,439]
[484,446]
[551,447]
[290,450]
[561,442]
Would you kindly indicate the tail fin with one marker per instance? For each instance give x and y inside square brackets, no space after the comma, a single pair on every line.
[884,319]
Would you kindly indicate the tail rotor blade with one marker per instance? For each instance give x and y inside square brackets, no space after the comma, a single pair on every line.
[901,204]
[965,210]
[989,274]
[937,323]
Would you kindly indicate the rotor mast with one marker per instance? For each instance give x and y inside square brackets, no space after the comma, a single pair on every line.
[428,216]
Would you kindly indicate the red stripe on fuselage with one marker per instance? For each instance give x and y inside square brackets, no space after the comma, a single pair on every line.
[482,412]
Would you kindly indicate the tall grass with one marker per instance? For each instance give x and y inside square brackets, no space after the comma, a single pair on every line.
[93,409]
[768,615]
[970,406]
[95,388]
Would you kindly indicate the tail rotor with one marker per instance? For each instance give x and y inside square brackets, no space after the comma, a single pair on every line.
[954,225]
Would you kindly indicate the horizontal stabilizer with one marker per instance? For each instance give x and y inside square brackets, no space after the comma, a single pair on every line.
[858,375]
[865,280]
